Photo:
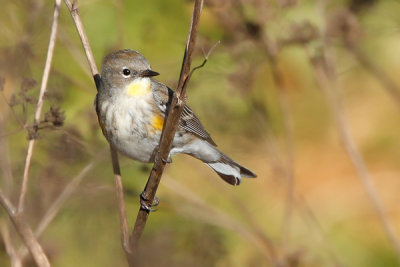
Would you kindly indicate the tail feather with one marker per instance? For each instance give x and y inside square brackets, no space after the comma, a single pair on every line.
[230,171]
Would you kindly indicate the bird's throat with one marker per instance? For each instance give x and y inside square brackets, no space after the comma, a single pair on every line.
[139,87]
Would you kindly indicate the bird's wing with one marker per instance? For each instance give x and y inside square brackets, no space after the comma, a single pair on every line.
[163,96]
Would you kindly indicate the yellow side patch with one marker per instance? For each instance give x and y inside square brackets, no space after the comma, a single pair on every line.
[139,87]
[157,122]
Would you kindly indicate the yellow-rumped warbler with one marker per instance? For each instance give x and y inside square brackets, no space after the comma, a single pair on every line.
[131,108]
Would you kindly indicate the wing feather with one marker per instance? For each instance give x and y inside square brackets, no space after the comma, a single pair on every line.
[163,96]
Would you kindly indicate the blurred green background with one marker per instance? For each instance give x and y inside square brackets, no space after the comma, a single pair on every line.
[278,128]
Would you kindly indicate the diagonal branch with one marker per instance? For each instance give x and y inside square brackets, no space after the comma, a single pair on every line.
[169,129]
[39,107]
[25,232]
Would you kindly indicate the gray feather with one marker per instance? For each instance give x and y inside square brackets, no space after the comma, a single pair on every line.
[188,121]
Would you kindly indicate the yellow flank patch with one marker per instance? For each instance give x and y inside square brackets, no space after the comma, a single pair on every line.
[157,122]
[139,87]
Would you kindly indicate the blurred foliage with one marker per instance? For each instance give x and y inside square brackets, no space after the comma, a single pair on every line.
[202,221]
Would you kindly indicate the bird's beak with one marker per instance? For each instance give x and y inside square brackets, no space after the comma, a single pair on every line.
[149,73]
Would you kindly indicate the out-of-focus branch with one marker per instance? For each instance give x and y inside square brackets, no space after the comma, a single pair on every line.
[73,8]
[272,48]
[38,112]
[16,215]
[326,79]
[391,87]
[169,129]
[58,203]
[24,232]
[198,208]
[10,249]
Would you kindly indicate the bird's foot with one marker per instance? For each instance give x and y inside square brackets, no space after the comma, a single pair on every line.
[145,206]
[169,160]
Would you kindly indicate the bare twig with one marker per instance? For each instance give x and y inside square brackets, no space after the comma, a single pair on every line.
[25,232]
[73,8]
[206,56]
[121,206]
[39,108]
[169,129]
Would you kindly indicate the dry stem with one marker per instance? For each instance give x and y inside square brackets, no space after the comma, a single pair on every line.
[25,232]
[39,107]
[9,245]
[170,126]
[73,8]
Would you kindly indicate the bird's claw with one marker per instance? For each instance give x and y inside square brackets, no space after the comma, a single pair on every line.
[165,161]
[145,206]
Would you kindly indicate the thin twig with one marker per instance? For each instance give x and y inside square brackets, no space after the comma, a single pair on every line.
[43,87]
[73,8]
[206,56]
[169,129]
[25,232]
[119,191]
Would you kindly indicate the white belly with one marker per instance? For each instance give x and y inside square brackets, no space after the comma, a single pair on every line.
[129,132]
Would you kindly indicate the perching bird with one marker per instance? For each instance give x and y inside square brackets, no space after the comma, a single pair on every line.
[131,108]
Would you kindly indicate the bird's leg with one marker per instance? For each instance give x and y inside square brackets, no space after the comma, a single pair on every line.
[145,206]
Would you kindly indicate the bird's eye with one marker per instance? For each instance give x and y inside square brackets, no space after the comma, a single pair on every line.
[126,72]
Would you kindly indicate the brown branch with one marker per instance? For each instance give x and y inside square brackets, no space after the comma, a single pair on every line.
[38,112]
[169,129]
[119,191]
[16,215]
[73,8]
[25,232]
[167,135]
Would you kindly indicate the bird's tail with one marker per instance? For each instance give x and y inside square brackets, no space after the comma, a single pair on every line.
[229,170]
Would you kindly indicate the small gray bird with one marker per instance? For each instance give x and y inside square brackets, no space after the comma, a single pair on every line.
[131,108]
